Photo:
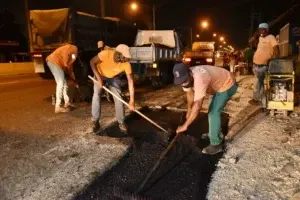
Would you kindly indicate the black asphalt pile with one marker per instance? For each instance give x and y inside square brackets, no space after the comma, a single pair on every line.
[184,175]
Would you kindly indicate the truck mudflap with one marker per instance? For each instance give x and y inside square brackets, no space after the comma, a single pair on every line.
[39,66]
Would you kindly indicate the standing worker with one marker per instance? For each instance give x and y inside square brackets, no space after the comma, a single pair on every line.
[197,82]
[266,49]
[61,60]
[106,66]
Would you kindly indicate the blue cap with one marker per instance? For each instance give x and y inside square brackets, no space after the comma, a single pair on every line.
[181,73]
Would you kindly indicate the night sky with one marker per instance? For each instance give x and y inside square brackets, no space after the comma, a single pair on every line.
[229,17]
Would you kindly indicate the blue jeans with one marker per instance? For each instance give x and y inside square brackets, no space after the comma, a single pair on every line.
[216,107]
[114,85]
[259,86]
[61,83]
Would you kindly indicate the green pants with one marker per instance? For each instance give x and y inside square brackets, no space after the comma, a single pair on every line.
[216,107]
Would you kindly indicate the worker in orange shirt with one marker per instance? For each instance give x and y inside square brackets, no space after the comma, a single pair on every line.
[107,65]
[59,61]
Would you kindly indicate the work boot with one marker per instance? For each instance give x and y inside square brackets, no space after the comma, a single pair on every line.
[213,149]
[123,128]
[61,110]
[254,102]
[96,127]
[205,136]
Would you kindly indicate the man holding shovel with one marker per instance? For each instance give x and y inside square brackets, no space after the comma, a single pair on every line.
[106,66]
[59,62]
[197,82]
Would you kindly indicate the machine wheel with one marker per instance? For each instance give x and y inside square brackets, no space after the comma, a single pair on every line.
[272,112]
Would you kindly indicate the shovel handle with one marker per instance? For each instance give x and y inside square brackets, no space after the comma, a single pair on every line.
[124,102]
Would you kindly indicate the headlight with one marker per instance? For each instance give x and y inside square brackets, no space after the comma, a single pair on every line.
[209,59]
[187,59]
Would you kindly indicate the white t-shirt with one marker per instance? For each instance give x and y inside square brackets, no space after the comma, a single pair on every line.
[210,80]
[264,50]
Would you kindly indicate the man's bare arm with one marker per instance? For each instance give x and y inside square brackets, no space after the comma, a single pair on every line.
[197,105]
[131,89]
[190,101]
[94,62]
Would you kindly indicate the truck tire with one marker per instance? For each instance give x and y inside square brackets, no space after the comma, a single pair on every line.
[48,74]
[166,73]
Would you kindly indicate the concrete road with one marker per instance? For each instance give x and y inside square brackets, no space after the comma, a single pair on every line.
[45,155]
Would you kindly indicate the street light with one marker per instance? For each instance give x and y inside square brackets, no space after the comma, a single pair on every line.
[197,36]
[222,38]
[204,24]
[134,6]
[224,42]
[214,35]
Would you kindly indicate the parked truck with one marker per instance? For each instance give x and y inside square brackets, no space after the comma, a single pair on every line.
[50,29]
[202,54]
[154,54]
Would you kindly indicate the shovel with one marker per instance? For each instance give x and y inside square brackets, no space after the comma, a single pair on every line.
[138,112]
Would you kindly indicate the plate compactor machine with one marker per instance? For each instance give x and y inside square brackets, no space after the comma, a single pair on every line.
[280,80]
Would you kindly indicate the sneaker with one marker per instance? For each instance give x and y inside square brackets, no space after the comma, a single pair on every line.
[254,102]
[213,149]
[61,110]
[96,127]
[123,128]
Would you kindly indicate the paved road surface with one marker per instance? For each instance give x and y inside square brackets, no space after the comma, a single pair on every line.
[45,155]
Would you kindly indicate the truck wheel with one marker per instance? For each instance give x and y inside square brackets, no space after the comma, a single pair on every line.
[48,74]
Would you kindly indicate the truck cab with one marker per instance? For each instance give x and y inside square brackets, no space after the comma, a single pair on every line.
[202,54]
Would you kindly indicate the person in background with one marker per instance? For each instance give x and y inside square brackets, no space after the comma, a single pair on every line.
[61,62]
[249,58]
[266,49]
[102,46]
[232,63]
[107,65]
[197,82]
[226,61]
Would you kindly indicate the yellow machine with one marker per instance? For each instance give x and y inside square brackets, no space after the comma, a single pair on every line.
[280,86]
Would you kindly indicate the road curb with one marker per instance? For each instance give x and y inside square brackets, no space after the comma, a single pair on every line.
[236,128]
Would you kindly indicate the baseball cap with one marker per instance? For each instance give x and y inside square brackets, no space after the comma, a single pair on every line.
[100,44]
[124,50]
[181,73]
[263,25]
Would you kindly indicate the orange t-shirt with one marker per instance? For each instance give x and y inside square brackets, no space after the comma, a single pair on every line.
[62,56]
[109,68]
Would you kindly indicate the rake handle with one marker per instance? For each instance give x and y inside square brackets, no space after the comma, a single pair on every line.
[157,164]
[124,102]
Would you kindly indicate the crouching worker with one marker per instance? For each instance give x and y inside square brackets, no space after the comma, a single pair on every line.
[197,82]
[106,66]
[59,62]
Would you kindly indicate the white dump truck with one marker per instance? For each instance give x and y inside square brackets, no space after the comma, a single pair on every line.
[154,54]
